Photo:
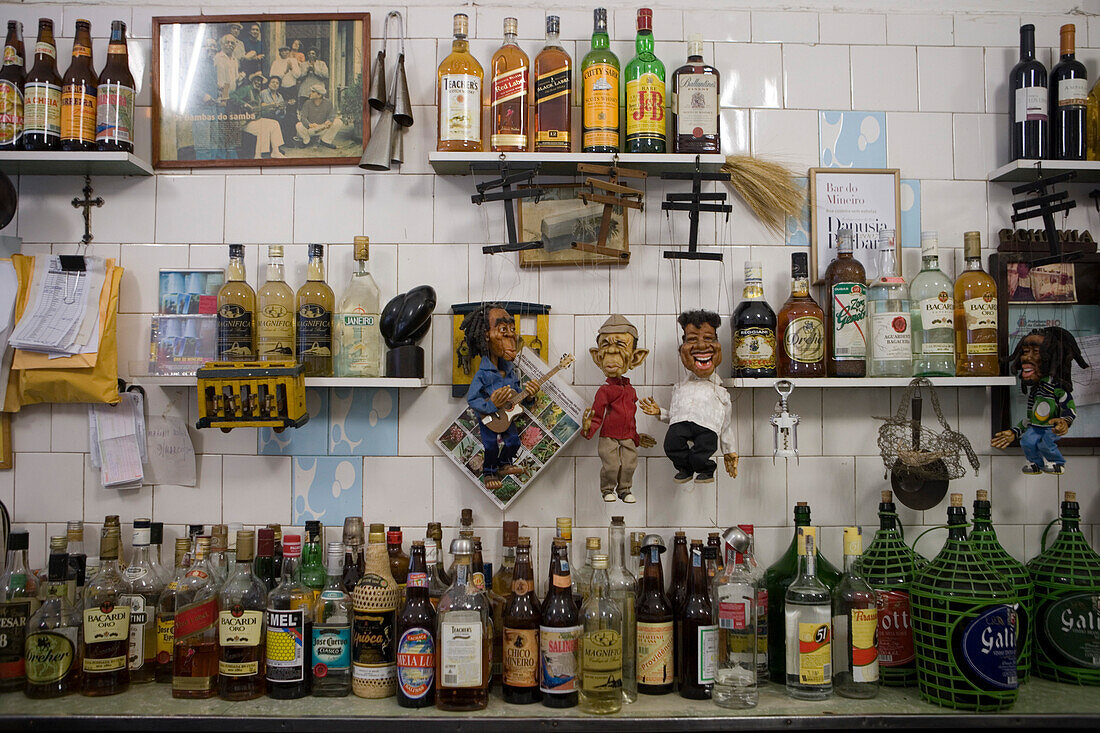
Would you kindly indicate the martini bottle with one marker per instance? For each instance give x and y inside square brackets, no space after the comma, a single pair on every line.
[964,626]
[1067,599]
[984,539]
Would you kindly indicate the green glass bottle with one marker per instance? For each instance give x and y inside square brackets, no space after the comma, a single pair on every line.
[600,91]
[1067,599]
[984,539]
[777,579]
[964,626]
[645,93]
[888,565]
[312,570]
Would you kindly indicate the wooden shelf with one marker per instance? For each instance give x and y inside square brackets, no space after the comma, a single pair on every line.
[58,163]
[189,381]
[565,164]
[1022,171]
[769,382]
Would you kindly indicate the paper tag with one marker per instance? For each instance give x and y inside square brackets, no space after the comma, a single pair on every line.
[171,454]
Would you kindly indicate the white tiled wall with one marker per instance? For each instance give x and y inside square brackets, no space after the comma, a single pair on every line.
[938,75]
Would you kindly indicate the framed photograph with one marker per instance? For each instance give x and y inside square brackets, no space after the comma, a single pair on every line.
[1044,284]
[559,218]
[864,199]
[260,90]
[6,459]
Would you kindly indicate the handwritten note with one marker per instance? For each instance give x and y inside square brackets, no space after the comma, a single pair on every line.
[171,454]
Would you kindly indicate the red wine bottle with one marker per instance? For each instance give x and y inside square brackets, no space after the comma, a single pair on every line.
[1027,102]
[1069,91]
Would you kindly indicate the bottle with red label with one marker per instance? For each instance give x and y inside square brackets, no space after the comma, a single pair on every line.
[195,650]
[855,622]
[18,600]
[416,636]
[734,596]
[695,103]
[331,639]
[42,94]
[114,129]
[508,94]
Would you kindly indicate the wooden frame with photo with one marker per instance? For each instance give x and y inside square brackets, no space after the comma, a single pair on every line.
[563,198]
[865,199]
[216,104]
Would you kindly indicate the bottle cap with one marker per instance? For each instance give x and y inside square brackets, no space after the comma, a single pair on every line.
[141,532]
[435,531]
[511,27]
[335,553]
[156,533]
[393,536]
[565,527]
[467,518]
[462,546]
[695,44]
[353,530]
[1067,34]
[461,25]
[645,19]
[653,540]
[599,20]
[929,244]
[111,520]
[972,245]
[599,562]
[183,546]
[592,543]
[887,497]
[362,249]
[219,538]
[376,538]
[236,250]
[246,543]
[511,533]
[754,271]
[1027,28]
[377,528]
[800,265]
[316,250]
[194,530]
[886,239]
[1070,496]
[292,545]
[19,539]
[853,542]
[274,250]
[981,495]
[618,519]
[798,504]
[59,543]
[844,239]
[265,542]
[956,500]
[202,547]
[313,531]
[680,534]
[553,24]
[523,542]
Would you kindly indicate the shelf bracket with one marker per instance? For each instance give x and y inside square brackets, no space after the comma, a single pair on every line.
[87,203]
[693,204]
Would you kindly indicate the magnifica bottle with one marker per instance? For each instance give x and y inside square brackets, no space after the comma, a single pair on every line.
[114,129]
[975,315]
[289,621]
[846,311]
[458,94]
[553,93]
[623,590]
[275,315]
[78,93]
[18,601]
[600,91]
[801,327]
[698,637]
[52,645]
[695,89]
[964,625]
[332,621]
[357,340]
[42,94]
[236,311]
[890,345]
[375,601]
[416,647]
[655,635]
[735,606]
[559,631]
[12,77]
[313,321]
[143,589]
[855,623]
[195,632]
[777,579]
[1029,125]
[508,94]
[1068,96]
[166,613]
[242,601]
[754,353]
[645,92]
[521,620]
[601,646]
[808,629]
[106,621]
[465,637]
[932,314]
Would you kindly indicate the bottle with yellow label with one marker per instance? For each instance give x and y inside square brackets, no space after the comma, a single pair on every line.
[645,93]
[78,93]
[808,626]
[275,320]
[855,621]
[241,605]
[600,91]
[975,315]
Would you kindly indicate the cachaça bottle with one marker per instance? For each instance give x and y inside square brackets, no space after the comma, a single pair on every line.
[78,93]
[559,631]
[888,565]
[600,91]
[42,94]
[855,622]
[289,622]
[553,93]
[808,631]
[236,311]
[964,626]
[645,92]
[438,580]
[52,646]
[416,646]
[508,94]
[800,326]
[353,553]
[1067,596]
[846,311]
[331,641]
[890,342]
[78,560]
[521,620]
[12,77]
[195,653]
[734,598]
[143,589]
[312,572]
[106,624]
[465,637]
[655,637]
[695,103]
[18,600]
[374,650]
[757,573]
[264,564]
[698,640]
[115,95]
[275,324]
[776,580]
[241,605]
[166,613]
[753,328]
[984,539]
[313,323]
[601,646]
[458,94]
[623,589]
[356,338]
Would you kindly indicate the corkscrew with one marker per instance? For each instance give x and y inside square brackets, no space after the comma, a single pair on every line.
[784,424]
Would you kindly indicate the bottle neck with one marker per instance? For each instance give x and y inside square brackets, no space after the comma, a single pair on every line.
[462,570]
[600,582]
[235,271]
[643,43]
[1027,45]
[510,39]
[974,264]
[654,577]
[553,39]
[508,561]
[316,269]
[800,287]
[753,290]
[956,523]
[600,39]
[930,262]
[290,569]
[887,519]
[140,555]
[617,547]
[888,262]
[460,45]
[17,562]
[851,564]
[363,268]
[275,271]
[807,566]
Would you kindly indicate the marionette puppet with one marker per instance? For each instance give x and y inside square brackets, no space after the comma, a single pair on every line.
[612,412]
[490,332]
[1043,360]
[701,414]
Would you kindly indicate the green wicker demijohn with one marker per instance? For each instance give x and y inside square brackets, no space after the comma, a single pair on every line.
[984,539]
[964,626]
[888,565]
[1067,599]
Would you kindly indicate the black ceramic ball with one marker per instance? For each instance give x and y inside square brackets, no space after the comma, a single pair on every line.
[407,317]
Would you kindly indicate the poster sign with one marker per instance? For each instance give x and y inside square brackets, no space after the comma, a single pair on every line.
[865,200]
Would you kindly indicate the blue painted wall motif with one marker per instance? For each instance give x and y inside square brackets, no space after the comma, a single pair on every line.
[852,139]
[326,488]
[363,422]
[308,440]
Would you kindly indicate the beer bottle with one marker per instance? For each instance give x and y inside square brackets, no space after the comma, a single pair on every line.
[558,634]
[416,637]
[114,118]
[522,616]
[656,672]
[12,77]
[78,94]
[42,94]
[698,633]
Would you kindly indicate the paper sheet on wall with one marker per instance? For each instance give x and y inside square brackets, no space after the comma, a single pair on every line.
[9,288]
[63,308]
[1086,382]
[117,439]
[171,453]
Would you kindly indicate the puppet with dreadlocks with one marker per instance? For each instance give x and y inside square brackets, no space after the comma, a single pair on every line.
[490,332]
[1043,359]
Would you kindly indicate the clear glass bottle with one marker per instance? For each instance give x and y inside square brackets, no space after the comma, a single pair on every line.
[695,89]
[332,617]
[416,644]
[758,573]
[553,93]
[195,633]
[236,311]
[375,602]
[623,589]
[18,600]
[289,622]
[855,621]
[458,94]
[358,342]
[166,613]
[645,92]
[932,304]
[241,605]
[753,328]
[584,572]
[314,303]
[559,631]
[143,588]
[808,627]
[975,315]
[600,91]
[565,532]
[508,94]
[52,647]
[465,636]
[890,345]
[735,607]
[275,316]
[601,646]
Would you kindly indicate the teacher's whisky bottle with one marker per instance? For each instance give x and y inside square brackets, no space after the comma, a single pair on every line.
[458,95]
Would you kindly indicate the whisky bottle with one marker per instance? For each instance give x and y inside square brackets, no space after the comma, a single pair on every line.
[18,601]
[801,327]
[808,631]
[846,311]
[645,92]
[78,93]
[52,645]
[655,637]
[508,94]
[932,314]
[275,319]
[166,613]
[115,96]
[312,573]
[42,94]
[734,594]
[695,103]
[975,315]
[464,635]
[143,589]
[890,344]
[753,328]
[106,621]
[357,341]
[698,639]
[399,561]
[374,651]
[241,604]
[289,621]
[236,311]
[600,91]
[559,631]
[12,77]
[416,647]
[352,538]
[458,95]
[314,317]
[855,621]
[601,646]
[520,625]
[332,618]
[553,93]
[195,648]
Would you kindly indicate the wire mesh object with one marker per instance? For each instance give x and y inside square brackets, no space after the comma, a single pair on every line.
[927,454]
